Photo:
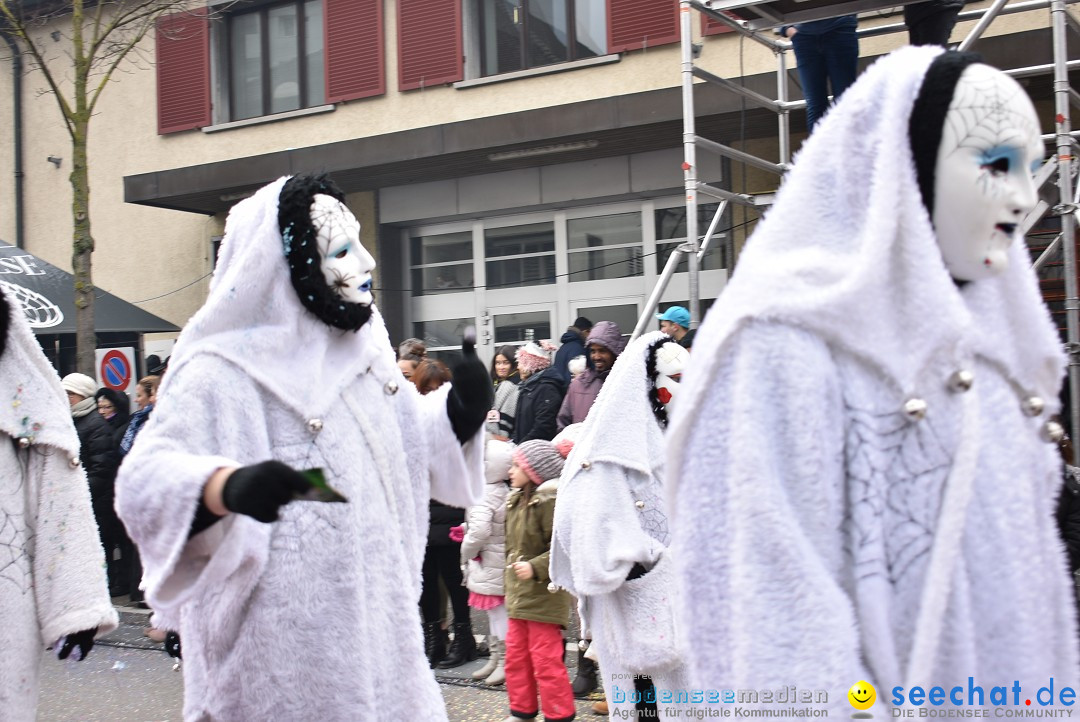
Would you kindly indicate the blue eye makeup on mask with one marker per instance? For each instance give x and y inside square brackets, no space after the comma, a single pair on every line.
[339,253]
[1001,158]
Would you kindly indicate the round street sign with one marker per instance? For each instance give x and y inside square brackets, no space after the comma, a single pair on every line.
[115,370]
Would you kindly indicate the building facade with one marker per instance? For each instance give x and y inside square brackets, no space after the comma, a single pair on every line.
[514,163]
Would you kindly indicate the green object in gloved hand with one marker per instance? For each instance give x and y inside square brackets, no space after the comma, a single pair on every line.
[320,491]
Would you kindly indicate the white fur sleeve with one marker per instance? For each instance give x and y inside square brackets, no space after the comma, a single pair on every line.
[456,470]
[69,565]
[598,528]
[209,417]
[757,520]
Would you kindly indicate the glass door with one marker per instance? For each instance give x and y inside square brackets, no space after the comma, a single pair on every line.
[518,325]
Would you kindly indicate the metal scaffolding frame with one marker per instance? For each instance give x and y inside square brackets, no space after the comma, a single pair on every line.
[749,19]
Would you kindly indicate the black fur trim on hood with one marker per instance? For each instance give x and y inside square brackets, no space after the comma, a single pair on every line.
[5,318]
[301,248]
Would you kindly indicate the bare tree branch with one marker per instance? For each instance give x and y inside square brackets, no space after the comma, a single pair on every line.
[103,34]
[19,29]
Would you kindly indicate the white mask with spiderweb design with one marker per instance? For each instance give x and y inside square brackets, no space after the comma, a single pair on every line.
[346,264]
[990,145]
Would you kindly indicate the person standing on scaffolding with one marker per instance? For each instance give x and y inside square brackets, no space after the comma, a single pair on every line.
[827,52]
[932,22]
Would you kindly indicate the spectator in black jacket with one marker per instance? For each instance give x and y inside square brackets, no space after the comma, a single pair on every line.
[573,345]
[540,395]
[115,408]
[1068,511]
[931,23]
[441,561]
[97,449]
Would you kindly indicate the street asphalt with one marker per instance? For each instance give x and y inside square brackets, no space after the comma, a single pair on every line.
[128,678]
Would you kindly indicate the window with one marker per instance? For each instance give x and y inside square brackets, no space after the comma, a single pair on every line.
[625,316]
[276,59]
[257,58]
[520,255]
[620,237]
[519,328]
[671,224]
[520,34]
[443,334]
[441,263]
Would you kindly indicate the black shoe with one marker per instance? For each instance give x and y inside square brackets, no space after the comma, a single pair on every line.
[434,646]
[463,648]
[585,681]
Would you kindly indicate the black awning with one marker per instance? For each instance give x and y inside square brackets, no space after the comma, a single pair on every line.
[47,294]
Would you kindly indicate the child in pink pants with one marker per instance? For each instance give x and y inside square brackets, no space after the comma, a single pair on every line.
[534,641]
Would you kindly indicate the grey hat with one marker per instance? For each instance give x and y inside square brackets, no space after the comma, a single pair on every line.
[540,460]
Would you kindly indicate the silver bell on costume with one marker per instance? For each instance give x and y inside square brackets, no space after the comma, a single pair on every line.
[915,409]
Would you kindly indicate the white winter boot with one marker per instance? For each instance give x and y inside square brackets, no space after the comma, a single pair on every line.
[498,675]
[493,660]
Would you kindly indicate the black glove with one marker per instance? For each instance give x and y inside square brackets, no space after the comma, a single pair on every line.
[261,489]
[471,394]
[172,645]
[84,640]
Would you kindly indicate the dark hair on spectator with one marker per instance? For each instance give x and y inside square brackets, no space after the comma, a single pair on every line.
[429,375]
[120,402]
[510,354]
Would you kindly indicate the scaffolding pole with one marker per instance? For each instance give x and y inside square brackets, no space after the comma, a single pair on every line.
[1066,209]
[1063,138]
[689,161]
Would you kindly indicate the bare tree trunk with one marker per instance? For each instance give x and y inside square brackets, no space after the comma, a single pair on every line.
[82,248]
[83,240]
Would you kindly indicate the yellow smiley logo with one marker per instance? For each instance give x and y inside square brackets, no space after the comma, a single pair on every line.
[862,695]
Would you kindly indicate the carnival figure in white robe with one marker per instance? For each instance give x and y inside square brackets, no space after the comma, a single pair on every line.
[294,609]
[52,567]
[862,465]
[611,534]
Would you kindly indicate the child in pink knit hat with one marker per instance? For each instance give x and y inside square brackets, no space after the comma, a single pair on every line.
[538,610]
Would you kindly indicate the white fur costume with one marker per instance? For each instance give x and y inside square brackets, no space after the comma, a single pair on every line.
[611,514]
[823,536]
[52,567]
[315,616]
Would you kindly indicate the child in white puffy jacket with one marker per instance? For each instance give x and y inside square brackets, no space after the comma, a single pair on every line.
[483,555]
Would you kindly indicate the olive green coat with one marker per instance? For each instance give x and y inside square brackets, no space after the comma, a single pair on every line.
[528,539]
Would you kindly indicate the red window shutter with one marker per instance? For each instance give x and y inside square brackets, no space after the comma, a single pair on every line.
[183,71]
[429,43]
[637,24]
[354,49]
[713,27]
